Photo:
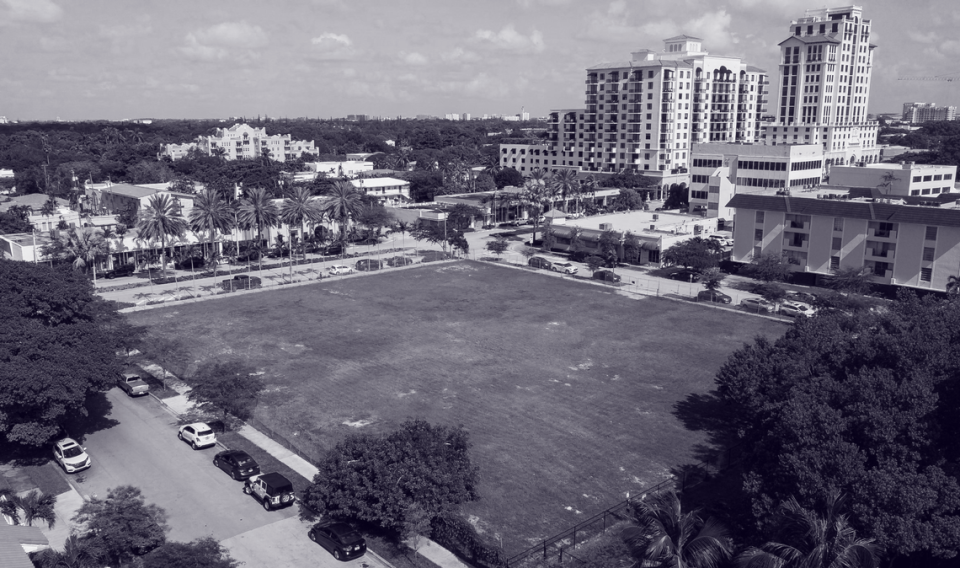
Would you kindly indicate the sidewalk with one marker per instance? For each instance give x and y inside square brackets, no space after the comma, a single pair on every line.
[428,549]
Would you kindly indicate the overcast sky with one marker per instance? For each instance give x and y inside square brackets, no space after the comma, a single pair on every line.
[114,59]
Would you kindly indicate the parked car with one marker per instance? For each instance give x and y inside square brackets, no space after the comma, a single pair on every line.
[340,540]
[240,282]
[758,305]
[368,264]
[333,250]
[796,309]
[71,456]
[564,267]
[337,269]
[724,241]
[714,296]
[133,385]
[540,263]
[435,255]
[510,224]
[607,276]
[279,253]
[248,256]
[685,276]
[121,270]
[238,464]
[271,489]
[198,435]
[189,263]
[800,296]
[399,261]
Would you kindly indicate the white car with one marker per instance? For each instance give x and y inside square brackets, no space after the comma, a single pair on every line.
[796,309]
[724,241]
[71,456]
[340,269]
[564,267]
[758,305]
[198,435]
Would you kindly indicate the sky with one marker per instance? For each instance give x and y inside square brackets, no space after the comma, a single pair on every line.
[123,59]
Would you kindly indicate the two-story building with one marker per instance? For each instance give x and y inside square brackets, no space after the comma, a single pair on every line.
[387,190]
[898,180]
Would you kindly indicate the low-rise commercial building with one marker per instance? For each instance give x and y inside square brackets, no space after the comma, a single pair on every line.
[388,191]
[897,180]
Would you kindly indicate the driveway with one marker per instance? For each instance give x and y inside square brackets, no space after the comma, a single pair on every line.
[143,450]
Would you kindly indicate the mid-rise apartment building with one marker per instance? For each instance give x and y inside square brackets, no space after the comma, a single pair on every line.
[719,170]
[900,244]
[898,180]
[824,87]
[916,113]
[242,141]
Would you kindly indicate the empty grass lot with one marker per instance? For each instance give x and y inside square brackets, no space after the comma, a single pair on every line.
[567,389]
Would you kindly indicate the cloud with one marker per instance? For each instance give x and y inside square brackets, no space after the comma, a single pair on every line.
[613,26]
[929,37]
[235,40]
[509,39]
[37,11]
[414,58]
[460,55]
[329,46]
[532,3]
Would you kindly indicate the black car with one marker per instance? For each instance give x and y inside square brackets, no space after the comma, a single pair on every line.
[189,263]
[540,263]
[248,256]
[121,270]
[340,539]
[685,276]
[714,296]
[238,464]
[368,264]
[279,253]
[399,261]
[273,490]
[607,276]
[240,282]
[333,250]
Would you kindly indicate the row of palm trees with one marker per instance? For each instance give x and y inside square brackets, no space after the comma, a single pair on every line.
[541,188]
[161,220]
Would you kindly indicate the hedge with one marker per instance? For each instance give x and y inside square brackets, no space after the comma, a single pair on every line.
[460,538]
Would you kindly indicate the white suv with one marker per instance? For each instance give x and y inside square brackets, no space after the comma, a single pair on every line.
[340,269]
[564,267]
[198,435]
[71,456]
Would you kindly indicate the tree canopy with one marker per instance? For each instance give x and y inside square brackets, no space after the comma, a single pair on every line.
[123,522]
[696,253]
[379,478]
[204,552]
[58,346]
[231,388]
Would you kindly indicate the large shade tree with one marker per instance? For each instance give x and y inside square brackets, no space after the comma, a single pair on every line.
[123,522]
[82,247]
[161,220]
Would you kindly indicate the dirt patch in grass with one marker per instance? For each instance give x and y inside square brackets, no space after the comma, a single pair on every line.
[567,389]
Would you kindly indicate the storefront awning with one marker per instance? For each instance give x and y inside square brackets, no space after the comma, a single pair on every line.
[647,245]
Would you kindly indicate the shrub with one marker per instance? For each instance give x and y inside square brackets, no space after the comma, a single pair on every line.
[459,537]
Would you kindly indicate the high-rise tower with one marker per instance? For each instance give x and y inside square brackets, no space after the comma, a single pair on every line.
[824,86]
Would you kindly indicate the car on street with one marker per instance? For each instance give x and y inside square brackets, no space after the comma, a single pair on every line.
[237,464]
[796,309]
[133,385]
[714,296]
[121,270]
[685,276]
[724,241]
[540,263]
[189,263]
[801,296]
[399,261]
[368,264]
[340,539]
[273,490]
[279,253]
[758,305]
[71,456]
[337,269]
[248,256]
[564,267]
[333,250]
[510,224]
[240,282]
[607,276]
[198,435]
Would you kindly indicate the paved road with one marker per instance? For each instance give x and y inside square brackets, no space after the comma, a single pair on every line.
[143,450]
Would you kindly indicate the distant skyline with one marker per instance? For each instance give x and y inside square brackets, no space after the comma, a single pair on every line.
[113,59]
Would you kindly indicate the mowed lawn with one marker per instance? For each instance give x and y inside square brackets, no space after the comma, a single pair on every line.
[567,389]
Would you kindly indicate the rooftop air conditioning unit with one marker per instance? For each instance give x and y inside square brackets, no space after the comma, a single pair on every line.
[606,226]
[656,217]
[653,227]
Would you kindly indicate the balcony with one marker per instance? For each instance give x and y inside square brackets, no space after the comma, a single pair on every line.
[882,234]
[795,244]
[880,253]
[669,88]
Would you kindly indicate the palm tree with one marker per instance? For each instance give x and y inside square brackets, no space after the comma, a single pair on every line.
[667,537]
[564,183]
[210,213]
[78,552]
[820,542]
[298,208]
[403,228]
[161,219]
[83,247]
[257,209]
[537,194]
[344,203]
[30,507]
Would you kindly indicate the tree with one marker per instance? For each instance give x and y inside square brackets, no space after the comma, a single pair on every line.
[696,253]
[257,210]
[211,213]
[769,268]
[771,291]
[81,247]
[59,346]
[378,479]
[298,208]
[170,353]
[161,219]
[537,194]
[953,284]
[498,246]
[508,177]
[232,388]
[595,262]
[125,524]
[433,233]
[817,542]
[631,247]
[16,219]
[204,552]
[711,279]
[30,507]
[78,552]
[676,197]
[666,536]
[565,184]
[607,247]
[852,279]
[628,200]
[343,204]
[375,217]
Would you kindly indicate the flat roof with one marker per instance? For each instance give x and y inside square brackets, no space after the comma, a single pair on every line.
[857,209]
[378,182]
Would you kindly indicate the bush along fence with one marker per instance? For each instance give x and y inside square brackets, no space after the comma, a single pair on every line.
[460,538]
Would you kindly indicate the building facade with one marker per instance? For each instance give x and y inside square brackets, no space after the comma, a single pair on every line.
[905,245]
[916,113]
[900,180]
[824,87]
[525,156]
[388,191]
[244,142]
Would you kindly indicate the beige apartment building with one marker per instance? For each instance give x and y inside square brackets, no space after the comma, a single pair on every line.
[244,142]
